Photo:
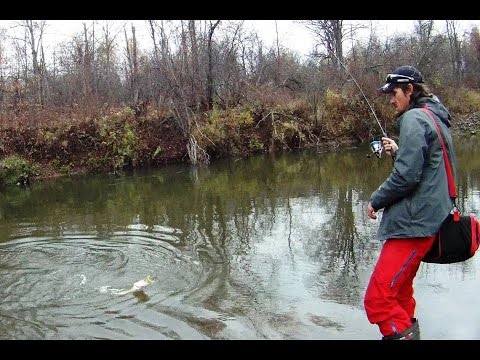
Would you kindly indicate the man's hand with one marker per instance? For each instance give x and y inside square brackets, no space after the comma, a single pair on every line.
[390,146]
[371,211]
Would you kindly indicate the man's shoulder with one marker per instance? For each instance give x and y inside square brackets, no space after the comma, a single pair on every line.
[415,117]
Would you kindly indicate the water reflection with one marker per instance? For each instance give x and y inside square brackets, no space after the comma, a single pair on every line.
[264,248]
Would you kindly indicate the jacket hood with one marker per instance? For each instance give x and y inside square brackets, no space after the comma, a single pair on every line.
[436,107]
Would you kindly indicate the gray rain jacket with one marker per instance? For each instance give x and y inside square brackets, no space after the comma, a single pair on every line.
[415,196]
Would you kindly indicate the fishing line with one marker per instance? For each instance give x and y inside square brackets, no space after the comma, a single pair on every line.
[384,133]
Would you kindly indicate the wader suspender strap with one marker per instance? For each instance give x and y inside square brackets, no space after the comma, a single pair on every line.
[448,168]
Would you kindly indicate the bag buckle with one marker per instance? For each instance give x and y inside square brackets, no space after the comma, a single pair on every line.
[456,214]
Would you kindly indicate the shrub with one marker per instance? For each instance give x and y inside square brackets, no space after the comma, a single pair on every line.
[17,170]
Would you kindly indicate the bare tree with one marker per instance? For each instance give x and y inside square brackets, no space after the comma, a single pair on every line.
[133,73]
[229,71]
[455,50]
[19,74]
[472,58]
[425,46]
[160,61]
[106,63]
[87,62]
[34,31]
[330,35]
[3,65]
[211,30]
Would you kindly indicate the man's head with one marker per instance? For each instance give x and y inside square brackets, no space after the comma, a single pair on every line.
[402,75]
[400,86]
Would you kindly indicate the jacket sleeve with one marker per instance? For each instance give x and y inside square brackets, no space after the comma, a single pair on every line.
[408,166]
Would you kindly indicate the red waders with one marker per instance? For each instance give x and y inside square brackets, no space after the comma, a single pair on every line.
[389,301]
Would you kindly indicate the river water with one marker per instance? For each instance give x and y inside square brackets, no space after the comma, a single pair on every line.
[269,247]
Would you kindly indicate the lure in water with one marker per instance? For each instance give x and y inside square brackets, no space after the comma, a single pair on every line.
[141,284]
[137,287]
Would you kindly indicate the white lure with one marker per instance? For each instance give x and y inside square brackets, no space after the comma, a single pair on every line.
[141,284]
[138,286]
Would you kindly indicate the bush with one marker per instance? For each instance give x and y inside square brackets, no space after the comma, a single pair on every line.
[462,101]
[15,170]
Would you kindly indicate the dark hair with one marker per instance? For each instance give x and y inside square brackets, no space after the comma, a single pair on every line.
[419,90]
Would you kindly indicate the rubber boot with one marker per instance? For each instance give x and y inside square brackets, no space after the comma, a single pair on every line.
[416,325]
[411,333]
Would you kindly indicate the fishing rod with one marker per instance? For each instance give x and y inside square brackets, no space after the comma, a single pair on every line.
[361,91]
[375,145]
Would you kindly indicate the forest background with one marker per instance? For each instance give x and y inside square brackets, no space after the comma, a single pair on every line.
[101,101]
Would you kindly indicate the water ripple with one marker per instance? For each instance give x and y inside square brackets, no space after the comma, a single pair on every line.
[52,279]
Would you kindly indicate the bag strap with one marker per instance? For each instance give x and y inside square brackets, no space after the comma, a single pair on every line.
[448,168]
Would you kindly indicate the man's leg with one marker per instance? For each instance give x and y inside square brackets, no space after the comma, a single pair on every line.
[393,275]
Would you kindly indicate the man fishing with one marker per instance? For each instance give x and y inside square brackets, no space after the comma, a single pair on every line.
[415,201]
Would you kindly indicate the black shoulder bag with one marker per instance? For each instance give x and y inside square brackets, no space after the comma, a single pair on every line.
[459,235]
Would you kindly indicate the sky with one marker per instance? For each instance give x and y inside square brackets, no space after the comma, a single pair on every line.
[295,36]
[291,34]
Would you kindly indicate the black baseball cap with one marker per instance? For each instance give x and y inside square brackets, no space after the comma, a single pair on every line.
[402,75]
